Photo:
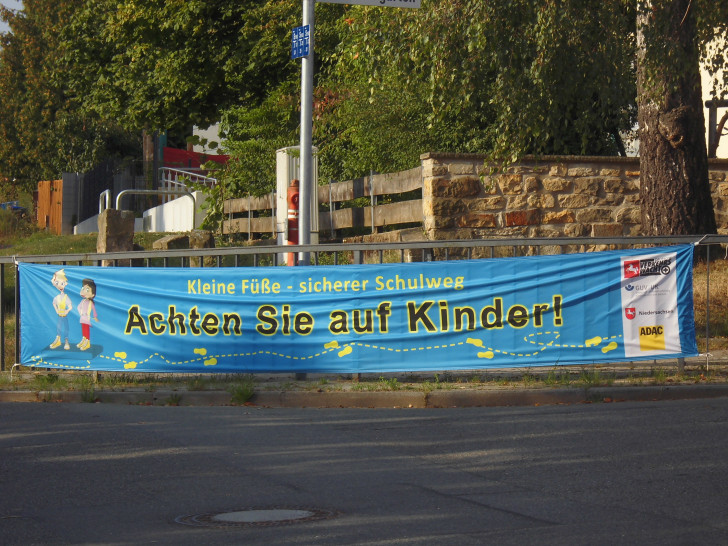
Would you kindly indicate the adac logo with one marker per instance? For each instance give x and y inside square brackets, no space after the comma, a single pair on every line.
[630,312]
[652,338]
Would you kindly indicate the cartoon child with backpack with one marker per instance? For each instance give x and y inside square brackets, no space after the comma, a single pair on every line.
[85,309]
[62,304]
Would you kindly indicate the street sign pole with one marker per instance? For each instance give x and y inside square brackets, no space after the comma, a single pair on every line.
[308,195]
[306,174]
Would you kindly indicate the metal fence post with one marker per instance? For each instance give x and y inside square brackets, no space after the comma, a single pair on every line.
[2,318]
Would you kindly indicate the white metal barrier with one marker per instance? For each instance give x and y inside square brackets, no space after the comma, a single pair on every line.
[178,179]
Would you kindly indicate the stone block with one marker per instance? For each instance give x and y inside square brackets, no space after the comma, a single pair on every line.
[581,171]
[461,168]
[560,217]
[523,217]
[557,184]
[116,231]
[516,202]
[541,201]
[588,185]
[576,230]
[558,170]
[531,184]
[448,207]
[173,241]
[444,235]
[575,201]
[510,183]
[609,172]
[431,168]
[617,185]
[477,220]
[440,222]
[200,238]
[594,215]
[607,230]
[116,234]
[463,186]
[628,215]
[487,203]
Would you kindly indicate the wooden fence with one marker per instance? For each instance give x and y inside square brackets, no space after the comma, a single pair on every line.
[257,215]
[50,206]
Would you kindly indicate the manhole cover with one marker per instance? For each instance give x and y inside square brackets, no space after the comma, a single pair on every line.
[257,517]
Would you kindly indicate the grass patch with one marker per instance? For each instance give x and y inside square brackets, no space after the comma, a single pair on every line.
[593,377]
[242,390]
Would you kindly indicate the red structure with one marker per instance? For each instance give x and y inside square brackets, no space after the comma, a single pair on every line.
[292,199]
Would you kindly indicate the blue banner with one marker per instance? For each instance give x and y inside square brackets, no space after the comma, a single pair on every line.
[472,314]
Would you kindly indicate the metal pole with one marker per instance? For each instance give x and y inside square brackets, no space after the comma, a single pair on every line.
[707,307]
[712,127]
[2,318]
[372,198]
[304,218]
[17,315]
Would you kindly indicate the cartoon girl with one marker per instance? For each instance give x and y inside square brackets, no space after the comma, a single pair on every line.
[62,304]
[85,308]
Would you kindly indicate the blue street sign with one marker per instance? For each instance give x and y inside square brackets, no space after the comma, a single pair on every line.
[300,41]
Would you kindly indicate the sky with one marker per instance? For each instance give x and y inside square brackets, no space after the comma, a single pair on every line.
[12,4]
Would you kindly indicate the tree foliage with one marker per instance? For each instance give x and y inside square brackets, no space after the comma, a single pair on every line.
[42,132]
[506,77]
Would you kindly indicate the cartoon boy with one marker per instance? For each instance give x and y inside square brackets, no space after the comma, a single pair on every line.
[62,305]
[85,308]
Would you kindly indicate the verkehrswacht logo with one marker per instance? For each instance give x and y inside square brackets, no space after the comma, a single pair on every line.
[643,268]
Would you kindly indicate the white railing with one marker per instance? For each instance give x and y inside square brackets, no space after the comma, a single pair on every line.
[178,179]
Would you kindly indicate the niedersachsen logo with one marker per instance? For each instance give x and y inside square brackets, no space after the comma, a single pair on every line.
[643,268]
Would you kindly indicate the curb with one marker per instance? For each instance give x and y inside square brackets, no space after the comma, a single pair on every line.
[383,399]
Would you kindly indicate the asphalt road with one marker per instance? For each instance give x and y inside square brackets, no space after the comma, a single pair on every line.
[622,473]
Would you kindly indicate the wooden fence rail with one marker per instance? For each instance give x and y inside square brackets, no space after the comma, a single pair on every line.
[244,214]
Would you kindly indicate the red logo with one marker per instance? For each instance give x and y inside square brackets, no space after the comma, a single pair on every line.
[631,269]
[630,312]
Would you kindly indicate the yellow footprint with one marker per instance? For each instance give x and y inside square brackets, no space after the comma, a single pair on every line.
[129,365]
[593,342]
[211,361]
[476,342]
[331,345]
[610,347]
[120,355]
[487,354]
[201,351]
[345,351]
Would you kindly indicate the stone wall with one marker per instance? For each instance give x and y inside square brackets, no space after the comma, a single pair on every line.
[545,197]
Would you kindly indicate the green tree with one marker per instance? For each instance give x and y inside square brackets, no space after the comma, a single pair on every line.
[42,133]
[540,77]
[509,78]
[674,186]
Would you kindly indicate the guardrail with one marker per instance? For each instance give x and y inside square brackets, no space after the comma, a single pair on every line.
[335,254]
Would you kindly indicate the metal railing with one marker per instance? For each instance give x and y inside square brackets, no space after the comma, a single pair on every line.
[338,255]
[177,179]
